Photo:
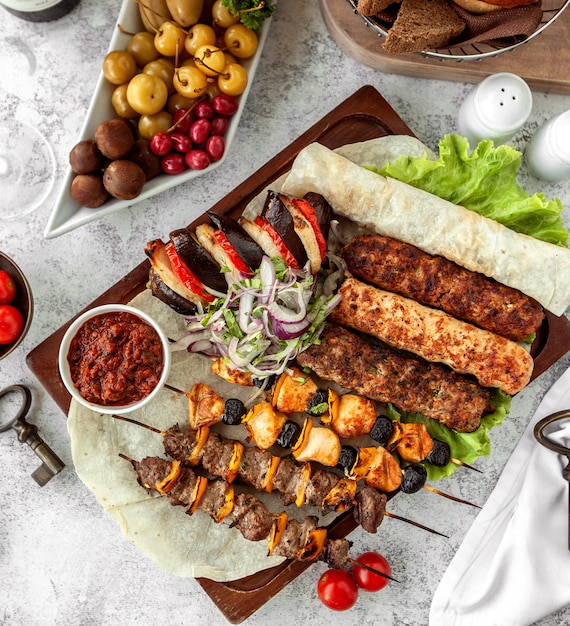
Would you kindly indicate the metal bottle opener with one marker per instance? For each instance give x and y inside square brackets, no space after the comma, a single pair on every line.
[28,433]
[543,439]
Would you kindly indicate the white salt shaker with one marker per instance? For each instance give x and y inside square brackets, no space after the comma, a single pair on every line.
[548,152]
[496,109]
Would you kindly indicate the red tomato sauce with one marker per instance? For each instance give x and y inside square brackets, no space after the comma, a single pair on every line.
[115,359]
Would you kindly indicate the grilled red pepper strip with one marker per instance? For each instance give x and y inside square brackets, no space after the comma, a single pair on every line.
[185,274]
[279,243]
[309,214]
[232,253]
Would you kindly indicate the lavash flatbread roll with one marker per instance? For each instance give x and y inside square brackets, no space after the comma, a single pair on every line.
[434,335]
[389,207]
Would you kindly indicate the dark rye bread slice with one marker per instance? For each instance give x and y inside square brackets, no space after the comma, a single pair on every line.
[423,25]
[372,7]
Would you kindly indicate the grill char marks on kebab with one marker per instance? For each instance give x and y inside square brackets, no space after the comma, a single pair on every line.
[302,541]
[439,283]
[385,375]
[434,336]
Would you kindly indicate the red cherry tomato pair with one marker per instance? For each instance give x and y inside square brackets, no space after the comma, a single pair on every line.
[338,589]
[11,320]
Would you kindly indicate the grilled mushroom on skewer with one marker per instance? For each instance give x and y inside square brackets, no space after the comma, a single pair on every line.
[301,541]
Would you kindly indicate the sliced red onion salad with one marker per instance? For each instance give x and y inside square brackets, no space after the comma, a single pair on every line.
[264,321]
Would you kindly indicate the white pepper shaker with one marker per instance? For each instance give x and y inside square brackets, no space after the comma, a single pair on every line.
[548,152]
[496,109]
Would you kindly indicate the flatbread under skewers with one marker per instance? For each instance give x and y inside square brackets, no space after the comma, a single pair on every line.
[185,546]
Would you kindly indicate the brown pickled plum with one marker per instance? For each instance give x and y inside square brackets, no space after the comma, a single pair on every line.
[124,179]
[85,157]
[142,155]
[114,138]
[88,190]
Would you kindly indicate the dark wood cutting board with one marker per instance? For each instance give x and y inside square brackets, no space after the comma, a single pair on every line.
[365,115]
[543,62]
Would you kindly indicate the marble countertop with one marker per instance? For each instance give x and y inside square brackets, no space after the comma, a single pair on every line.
[62,560]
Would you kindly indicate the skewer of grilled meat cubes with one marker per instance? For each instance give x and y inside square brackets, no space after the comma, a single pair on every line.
[231,460]
[439,283]
[301,541]
[374,464]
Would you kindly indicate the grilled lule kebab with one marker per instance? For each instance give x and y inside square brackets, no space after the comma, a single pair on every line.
[301,541]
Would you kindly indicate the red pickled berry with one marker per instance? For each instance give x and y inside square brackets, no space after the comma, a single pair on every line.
[181,142]
[219,125]
[200,130]
[197,159]
[215,146]
[173,163]
[204,109]
[182,120]
[161,144]
[224,104]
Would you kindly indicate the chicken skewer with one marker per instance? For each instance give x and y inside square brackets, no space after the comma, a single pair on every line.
[376,465]
[351,416]
[348,416]
[302,541]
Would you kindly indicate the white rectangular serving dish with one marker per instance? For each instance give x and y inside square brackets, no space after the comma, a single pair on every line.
[67,214]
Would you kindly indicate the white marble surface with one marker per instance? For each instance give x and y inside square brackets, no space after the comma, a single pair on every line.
[62,561]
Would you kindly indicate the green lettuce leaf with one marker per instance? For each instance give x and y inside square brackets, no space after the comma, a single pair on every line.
[464,446]
[484,181]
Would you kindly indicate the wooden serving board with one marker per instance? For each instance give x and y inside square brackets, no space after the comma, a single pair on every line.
[365,115]
[543,62]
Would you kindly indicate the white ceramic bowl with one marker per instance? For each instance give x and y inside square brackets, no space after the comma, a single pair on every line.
[67,214]
[64,369]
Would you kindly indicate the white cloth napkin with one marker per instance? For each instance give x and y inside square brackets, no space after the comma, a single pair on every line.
[513,567]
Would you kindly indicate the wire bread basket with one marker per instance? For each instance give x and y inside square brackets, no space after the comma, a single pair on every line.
[551,11]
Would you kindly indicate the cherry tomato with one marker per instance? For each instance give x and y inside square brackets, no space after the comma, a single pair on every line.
[7,288]
[367,580]
[337,590]
[11,324]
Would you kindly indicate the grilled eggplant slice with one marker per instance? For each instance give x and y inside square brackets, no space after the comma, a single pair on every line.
[244,245]
[323,211]
[305,232]
[167,295]
[276,213]
[198,260]
[156,252]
